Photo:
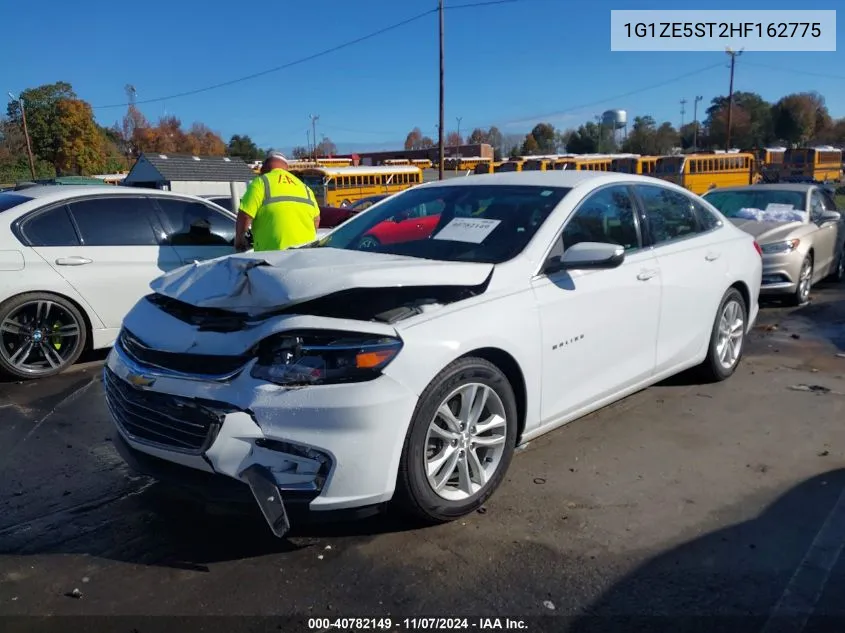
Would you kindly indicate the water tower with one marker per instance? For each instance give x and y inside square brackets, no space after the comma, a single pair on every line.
[616,120]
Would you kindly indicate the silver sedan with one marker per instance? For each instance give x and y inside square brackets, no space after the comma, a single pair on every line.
[799,229]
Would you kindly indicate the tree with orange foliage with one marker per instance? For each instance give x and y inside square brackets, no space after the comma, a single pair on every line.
[453,139]
[81,146]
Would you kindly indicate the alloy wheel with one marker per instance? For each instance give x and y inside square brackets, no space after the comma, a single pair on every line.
[805,280]
[39,337]
[731,334]
[465,442]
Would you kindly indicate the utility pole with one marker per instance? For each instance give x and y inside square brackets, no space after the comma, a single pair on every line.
[26,134]
[314,119]
[442,101]
[683,111]
[695,119]
[459,134]
[308,140]
[733,54]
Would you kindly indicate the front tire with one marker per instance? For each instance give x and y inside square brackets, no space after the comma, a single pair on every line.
[41,334]
[460,442]
[805,282]
[726,339]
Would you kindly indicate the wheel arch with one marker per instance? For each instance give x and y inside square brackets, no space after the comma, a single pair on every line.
[508,365]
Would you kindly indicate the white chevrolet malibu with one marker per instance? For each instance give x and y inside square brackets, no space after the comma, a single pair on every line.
[490,310]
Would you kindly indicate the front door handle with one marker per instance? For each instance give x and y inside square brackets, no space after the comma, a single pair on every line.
[712,257]
[645,275]
[75,260]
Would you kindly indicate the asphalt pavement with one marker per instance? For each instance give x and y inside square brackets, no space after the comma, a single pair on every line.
[684,507]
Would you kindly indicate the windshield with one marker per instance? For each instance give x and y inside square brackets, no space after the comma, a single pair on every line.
[9,200]
[733,203]
[365,203]
[468,223]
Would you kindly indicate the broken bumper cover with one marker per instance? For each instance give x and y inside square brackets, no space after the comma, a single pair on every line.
[332,447]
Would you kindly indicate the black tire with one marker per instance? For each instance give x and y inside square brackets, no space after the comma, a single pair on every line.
[712,369]
[801,295]
[837,275]
[414,493]
[69,357]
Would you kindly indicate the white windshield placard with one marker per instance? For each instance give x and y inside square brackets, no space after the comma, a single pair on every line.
[776,206]
[472,230]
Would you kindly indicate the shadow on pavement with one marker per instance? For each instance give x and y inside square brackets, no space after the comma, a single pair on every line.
[730,579]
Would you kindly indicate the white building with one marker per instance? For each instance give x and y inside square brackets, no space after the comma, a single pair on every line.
[196,175]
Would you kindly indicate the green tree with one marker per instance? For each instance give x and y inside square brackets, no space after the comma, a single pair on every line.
[243,147]
[544,135]
[495,138]
[800,117]
[530,146]
[299,152]
[751,121]
[584,140]
[478,136]
[42,116]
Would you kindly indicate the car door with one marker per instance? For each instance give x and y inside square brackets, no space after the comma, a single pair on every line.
[826,236]
[599,327]
[117,255]
[196,231]
[694,268]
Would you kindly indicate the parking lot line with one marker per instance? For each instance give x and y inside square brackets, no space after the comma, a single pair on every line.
[804,589]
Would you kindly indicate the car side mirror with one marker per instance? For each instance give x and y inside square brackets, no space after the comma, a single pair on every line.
[829,216]
[587,256]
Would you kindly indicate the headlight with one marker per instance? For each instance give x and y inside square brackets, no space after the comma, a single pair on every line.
[786,246]
[320,357]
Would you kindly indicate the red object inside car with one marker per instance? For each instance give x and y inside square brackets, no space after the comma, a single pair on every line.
[331,217]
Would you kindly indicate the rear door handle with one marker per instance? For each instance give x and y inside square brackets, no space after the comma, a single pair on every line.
[711,257]
[645,275]
[75,260]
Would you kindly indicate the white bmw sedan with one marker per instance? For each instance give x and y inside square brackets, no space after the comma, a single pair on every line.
[75,259]
[346,374]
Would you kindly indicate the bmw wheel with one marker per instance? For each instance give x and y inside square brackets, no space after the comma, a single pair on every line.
[460,442]
[805,282]
[727,338]
[41,335]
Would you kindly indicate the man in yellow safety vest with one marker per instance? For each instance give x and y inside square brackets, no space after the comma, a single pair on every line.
[278,207]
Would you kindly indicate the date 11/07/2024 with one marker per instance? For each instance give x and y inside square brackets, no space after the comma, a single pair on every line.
[726,30]
[416,624]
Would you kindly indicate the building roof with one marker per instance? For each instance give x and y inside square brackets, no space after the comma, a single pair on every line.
[182,167]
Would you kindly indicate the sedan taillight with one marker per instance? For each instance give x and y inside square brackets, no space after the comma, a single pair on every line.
[758,249]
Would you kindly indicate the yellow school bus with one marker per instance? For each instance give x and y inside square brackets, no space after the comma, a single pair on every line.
[509,165]
[536,164]
[486,168]
[466,163]
[704,171]
[643,165]
[334,162]
[339,186]
[818,164]
[392,162]
[422,163]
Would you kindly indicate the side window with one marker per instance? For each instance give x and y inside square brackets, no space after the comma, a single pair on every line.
[50,228]
[191,223]
[829,201]
[706,218]
[114,221]
[670,214]
[605,216]
[816,205]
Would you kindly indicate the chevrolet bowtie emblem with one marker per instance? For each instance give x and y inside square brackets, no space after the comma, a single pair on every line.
[140,380]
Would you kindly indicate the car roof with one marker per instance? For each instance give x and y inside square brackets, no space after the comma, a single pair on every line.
[50,193]
[799,187]
[563,178]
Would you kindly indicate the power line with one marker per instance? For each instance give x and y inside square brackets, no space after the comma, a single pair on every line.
[313,56]
[793,70]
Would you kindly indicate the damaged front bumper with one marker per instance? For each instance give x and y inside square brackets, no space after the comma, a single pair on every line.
[325,448]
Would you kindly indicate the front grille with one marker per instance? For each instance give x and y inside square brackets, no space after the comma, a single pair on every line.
[204,319]
[185,424]
[196,364]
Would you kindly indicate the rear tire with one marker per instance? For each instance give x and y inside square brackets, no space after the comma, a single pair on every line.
[838,273]
[41,334]
[459,444]
[727,338]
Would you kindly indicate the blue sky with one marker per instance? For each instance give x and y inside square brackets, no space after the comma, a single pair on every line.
[509,65]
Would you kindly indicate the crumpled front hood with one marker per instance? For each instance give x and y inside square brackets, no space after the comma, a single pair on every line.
[766,232]
[260,282]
